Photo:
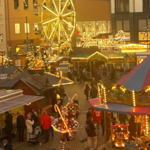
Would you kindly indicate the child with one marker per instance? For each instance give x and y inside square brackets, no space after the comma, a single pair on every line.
[86,90]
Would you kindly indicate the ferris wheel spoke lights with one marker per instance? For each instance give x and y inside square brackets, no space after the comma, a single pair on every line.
[58,24]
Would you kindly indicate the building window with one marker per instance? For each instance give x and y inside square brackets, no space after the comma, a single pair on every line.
[35,2]
[0,18]
[1,38]
[17,28]
[27,28]
[16,4]
[144,23]
[146,5]
[26,5]
[122,25]
[122,5]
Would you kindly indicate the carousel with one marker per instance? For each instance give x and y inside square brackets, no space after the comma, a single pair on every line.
[129,97]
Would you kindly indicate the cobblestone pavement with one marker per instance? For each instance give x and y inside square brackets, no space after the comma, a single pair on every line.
[75,144]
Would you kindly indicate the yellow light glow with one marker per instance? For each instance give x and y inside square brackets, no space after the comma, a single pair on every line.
[64,7]
[50,10]
[68,23]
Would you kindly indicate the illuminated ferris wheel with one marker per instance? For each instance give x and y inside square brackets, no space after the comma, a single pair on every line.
[58,19]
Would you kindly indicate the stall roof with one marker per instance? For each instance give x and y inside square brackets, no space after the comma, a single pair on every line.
[107,55]
[137,78]
[54,80]
[119,108]
[15,101]
[9,70]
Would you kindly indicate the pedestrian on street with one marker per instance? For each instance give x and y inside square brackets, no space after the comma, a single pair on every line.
[51,130]
[81,77]
[75,73]
[29,124]
[34,117]
[21,126]
[89,113]
[97,118]
[7,145]
[93,91]
[46,123]
[86,90]
[69,73]
[8,126]
[40,114]
[91,132]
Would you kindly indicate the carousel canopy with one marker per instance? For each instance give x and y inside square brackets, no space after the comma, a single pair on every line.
[137,78]
[119,108]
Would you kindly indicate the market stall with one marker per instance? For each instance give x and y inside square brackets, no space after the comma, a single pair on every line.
[129,96]
[14,101]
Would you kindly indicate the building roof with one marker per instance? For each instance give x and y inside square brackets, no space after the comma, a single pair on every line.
[138,78]
[38,81]
[8,99]
[8,69]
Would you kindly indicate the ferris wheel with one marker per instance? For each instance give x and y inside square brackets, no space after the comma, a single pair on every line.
[58,19]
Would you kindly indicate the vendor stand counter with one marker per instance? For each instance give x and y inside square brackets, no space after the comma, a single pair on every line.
[14,101]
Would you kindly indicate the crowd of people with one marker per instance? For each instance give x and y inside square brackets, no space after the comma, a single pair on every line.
[42,119]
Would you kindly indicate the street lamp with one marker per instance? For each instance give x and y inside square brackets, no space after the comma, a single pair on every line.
[2,53]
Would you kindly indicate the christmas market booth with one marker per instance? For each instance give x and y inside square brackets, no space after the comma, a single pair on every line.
[14,101]
[36,82]
[92,56]
[129,98]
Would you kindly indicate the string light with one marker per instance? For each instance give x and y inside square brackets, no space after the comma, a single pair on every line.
[88,39]
[133,98]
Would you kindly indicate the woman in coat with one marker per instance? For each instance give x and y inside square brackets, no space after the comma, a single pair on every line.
[29,124]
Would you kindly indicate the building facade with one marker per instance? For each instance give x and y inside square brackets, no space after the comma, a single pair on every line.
[20,21]
[3,43]
[132,16]
[92,16]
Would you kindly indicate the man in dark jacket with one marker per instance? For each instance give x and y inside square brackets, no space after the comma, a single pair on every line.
[89,113]
[7,145]
[9,126]
[93,92]
[91,132]
[21,126]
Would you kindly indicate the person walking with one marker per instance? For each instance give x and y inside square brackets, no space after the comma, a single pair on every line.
[46,123]
[93,91]
[7,145]
[29,124]
[86,90]
[8,126]
[75,73]
[81,77]
[34,116]
[97,118]
[91,132]
[21,126]
[89,113]
[51,130]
